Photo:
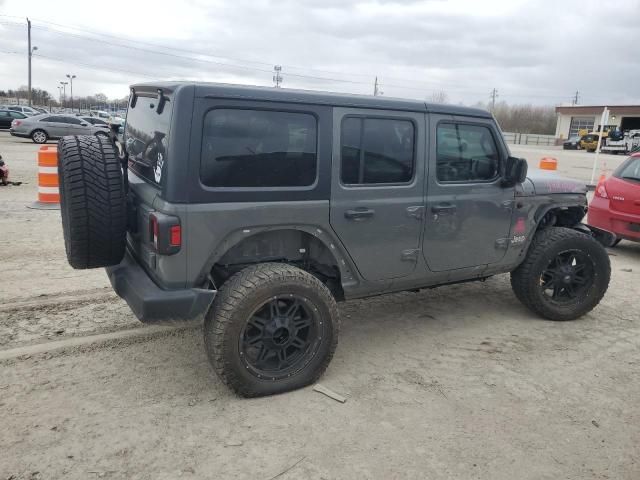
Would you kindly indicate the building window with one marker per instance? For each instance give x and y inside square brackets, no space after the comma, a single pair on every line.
[580,123]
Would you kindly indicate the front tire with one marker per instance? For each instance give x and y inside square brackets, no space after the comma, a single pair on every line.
[272,328]
[565,274]
[39,136]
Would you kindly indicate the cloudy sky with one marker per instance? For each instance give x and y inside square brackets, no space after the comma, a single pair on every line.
[530,51]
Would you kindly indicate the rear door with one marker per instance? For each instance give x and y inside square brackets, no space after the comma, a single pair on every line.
[55,126]
[5,119]
[468,214]
[377,196]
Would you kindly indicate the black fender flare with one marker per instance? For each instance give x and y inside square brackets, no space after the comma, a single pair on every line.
[343,261]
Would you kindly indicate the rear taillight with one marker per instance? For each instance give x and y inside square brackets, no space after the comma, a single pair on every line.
[601,191]
[16,123]
[165,233]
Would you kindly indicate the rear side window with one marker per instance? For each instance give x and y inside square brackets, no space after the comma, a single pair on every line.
[629,170]
[72,120]
[258,148]
[146,137]
[376,151]
[466,153]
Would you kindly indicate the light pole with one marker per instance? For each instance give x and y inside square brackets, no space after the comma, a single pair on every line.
[64,93]
[71,77]
[60,94]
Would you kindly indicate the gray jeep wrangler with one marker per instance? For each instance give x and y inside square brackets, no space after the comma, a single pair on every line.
[260,208]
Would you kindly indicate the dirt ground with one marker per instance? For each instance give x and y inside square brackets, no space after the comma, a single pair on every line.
[458,382]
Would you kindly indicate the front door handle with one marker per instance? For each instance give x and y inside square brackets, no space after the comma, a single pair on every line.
[359,213]
[444,208]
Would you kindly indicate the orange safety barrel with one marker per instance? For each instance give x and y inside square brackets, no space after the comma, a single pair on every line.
[548,163]
[48,185]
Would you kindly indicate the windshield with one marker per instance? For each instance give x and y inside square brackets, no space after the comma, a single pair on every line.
[629,170]
[146,138]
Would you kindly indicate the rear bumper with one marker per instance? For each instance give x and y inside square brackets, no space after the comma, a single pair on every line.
[18,134]
[622,224]
[149,302]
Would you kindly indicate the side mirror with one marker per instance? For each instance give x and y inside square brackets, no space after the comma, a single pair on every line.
[515,171]
[84,124]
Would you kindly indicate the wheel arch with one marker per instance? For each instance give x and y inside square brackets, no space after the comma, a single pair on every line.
[308,247]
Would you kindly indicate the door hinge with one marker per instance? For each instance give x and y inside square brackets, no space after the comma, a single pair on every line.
[416,211]
[410,255]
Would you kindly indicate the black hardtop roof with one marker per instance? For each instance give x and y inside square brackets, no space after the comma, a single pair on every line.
[222,90]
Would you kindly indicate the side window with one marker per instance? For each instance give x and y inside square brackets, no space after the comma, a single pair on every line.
[466,153]
[15,114]
[376,151]
[258,148]
[72,120]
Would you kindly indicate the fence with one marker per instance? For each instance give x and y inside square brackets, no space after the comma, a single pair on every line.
[529,138]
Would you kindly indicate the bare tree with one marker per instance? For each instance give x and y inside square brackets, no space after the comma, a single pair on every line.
[439,97]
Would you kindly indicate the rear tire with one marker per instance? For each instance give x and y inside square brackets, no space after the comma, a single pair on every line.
[92,201]
[565,274]
[39,136]
[252,342]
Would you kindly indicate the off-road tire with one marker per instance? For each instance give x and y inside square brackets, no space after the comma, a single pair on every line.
[547,243]
[92,201]
[238,298]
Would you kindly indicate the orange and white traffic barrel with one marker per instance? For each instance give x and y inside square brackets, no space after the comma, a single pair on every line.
[48,182]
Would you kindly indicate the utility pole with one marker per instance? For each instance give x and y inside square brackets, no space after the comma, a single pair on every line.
[375,88]
[71,77]
[575,98]
[64,93]
[60,94]
[494,95]
[277,78]
[30,52]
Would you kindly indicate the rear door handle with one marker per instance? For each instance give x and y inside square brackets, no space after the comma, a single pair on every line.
[359,213]
[444,208]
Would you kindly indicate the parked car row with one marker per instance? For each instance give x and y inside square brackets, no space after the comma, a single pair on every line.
[28,111]
[43,127]
[8,116]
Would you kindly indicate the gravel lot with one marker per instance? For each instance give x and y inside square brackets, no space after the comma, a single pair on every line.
[457,382]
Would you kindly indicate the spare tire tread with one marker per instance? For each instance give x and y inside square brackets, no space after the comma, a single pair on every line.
[92,201]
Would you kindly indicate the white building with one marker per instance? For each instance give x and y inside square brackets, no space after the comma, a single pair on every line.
[573,118]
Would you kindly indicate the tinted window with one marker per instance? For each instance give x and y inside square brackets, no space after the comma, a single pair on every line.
[4,114]
[147,137]
[15,109]
[376,151]
[94,121]
[629,170]
[466,153]
[16,115]
[72,120]
[254,148]
[52,119]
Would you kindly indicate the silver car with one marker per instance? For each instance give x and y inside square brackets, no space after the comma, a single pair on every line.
[41,128]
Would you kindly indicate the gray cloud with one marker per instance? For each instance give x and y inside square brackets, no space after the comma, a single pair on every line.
[536,52]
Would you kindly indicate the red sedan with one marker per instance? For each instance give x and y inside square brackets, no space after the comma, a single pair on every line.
[616,202]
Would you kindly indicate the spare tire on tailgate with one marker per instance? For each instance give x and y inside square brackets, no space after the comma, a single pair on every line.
[92,201]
